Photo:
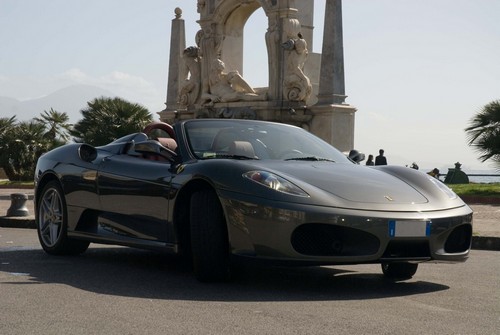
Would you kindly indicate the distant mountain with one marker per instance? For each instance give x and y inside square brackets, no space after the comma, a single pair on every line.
[70,100]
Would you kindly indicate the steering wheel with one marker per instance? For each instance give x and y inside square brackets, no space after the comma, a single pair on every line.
[160,126]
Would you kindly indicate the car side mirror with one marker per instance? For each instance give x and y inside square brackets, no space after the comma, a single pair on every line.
[87,153]
[356,156]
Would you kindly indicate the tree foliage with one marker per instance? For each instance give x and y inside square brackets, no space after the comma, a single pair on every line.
[483,132]
[21,144]
[107,119]
[104,120]
[57,124]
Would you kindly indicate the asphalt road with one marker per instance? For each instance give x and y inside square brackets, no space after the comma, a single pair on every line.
[114,290]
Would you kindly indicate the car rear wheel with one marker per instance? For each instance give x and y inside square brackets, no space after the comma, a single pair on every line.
[399,271]
[52,225]
[209,240]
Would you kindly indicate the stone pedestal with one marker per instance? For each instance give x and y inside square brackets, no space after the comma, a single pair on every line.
[18,205]
[334,124]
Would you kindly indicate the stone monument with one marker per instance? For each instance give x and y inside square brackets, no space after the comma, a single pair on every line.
[304,88]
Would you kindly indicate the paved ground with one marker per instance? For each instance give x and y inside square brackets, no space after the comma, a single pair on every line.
[123,291]
[486,219]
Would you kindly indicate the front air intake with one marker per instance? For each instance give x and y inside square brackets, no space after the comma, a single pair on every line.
[317,239]
[459,240]
[407,249]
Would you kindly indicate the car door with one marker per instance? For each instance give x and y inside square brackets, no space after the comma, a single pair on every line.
[133,192]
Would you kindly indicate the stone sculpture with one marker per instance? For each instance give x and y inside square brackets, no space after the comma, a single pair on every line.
[190,87]
[297,86]
[227,87]
[200,6]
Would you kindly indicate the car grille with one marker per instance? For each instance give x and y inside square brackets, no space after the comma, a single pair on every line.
[317,239]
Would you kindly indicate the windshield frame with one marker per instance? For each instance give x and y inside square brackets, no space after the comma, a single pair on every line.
[211,138]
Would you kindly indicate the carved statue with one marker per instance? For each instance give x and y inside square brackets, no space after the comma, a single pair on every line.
[190,88]
[227,87]
[297,86]
[209,43]
[200,6]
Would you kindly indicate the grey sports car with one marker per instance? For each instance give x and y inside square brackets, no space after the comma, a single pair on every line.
[223,190]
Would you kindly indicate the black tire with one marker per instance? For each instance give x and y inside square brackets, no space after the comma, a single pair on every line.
[52,223]
[209,239]
[399,271]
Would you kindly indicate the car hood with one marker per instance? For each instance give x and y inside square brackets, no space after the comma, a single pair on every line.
[362,187]
[355,183]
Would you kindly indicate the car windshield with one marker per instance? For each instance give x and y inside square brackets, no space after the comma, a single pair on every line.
[246,139]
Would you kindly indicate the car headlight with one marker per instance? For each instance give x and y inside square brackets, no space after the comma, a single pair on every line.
[275,182]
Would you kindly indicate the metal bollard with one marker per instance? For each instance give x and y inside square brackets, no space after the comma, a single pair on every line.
[18,205]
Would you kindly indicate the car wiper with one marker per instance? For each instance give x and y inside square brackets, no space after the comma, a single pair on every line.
[310,158]
[234,156]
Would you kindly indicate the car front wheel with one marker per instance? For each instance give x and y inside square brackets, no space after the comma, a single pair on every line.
[399,271]
[209,239]
[52,225]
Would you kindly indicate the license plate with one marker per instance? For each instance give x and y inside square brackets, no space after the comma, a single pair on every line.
[409,228]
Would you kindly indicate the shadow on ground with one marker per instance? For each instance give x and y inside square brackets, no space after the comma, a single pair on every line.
[136,273]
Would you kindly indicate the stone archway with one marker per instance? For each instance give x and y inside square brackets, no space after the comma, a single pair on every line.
[221,36]
[233,32]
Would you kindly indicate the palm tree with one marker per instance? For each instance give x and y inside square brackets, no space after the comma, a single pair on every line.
[6,124]
[21,146]
[57,125]
[484,132]
[6,132]
[107,119]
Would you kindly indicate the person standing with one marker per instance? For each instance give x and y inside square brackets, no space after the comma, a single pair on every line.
[380,159]
[370,160]
[434,173]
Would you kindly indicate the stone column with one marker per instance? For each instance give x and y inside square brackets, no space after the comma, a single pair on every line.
[333,119]
[177,46]
[332,83]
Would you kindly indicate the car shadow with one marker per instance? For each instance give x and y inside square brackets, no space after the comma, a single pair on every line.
[136,273]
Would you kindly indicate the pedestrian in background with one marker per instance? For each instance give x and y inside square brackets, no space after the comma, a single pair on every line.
[370,160]
[434,173]
[380,159]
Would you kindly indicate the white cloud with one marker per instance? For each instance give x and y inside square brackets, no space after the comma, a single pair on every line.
[133,89]
[75,75]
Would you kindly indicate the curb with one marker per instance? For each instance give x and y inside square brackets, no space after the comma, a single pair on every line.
[486,243]
[18,222]
[17,187]
[28,222]
[8,197]
[494,201]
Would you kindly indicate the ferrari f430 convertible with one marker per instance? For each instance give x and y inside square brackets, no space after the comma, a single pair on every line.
[221,190]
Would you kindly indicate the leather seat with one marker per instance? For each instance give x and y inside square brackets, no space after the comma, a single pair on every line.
[241,148]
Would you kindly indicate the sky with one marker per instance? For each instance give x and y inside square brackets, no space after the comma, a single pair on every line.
[417,71]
